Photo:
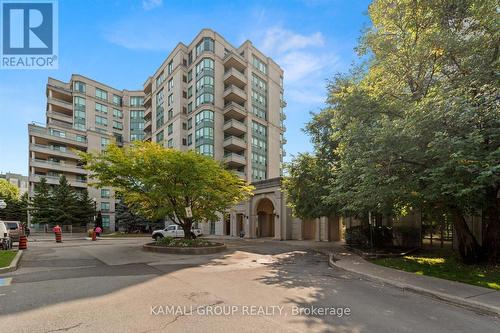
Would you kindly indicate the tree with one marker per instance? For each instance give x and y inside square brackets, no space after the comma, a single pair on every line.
[8,190]
[128,219]
[161,183]
[64,203]
[417,125]
[41,204]
[85,208]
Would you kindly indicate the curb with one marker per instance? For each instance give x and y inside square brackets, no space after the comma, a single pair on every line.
[14,263]
[151,247]
[460,301]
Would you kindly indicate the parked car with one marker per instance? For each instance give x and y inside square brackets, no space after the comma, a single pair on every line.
[14,229]
[174,231]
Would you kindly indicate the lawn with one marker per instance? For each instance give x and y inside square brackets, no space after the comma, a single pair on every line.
[6,257]
[124,234]
[445,265]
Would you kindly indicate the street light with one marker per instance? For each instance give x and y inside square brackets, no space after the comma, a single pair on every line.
[95,208]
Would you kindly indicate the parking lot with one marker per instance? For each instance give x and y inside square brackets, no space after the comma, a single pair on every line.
[111,284]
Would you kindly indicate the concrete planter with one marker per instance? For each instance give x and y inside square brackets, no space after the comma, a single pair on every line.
[152,247]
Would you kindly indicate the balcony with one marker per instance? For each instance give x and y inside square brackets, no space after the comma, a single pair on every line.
[147,126]
[43,132]
[147,100]
[60,103]
[234,94]
[236,61]
[235,111]
[60,116]
[234,127]
[235,160]
[234,144]
[235,77]
[58,166]
[54,180]
[45,149]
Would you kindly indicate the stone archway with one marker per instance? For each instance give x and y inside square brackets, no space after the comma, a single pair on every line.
[265,218]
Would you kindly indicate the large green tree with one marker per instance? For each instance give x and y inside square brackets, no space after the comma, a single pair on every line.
[41,203]
[161,183]
[64,203]
[85,208]
[418,124]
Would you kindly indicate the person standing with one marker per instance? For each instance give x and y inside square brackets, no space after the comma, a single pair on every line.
[98,231]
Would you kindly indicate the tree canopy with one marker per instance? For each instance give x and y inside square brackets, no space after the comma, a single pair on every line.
[158,183]
[417,125]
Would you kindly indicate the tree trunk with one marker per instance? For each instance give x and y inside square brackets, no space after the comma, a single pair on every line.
[469,249]
[186,226]
[491,231]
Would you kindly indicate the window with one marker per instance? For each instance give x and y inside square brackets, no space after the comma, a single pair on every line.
[170,84]
[190,123]
[79,114]
[205,84]
[117,113]
[104,142]
[260,65]
[159,97]
[190,75]
[190,108]
[105,193]
[160,79]
[136,101]
[170,143]
[105,206]
[184,126]
[204,99]
[259,129]
[170,114]
[58,133]
[258,83]
[258,174]
[101,121]
[79,87]
[206,44]
[81,138]
[204,133]
[184,94]
[117,125]
[170,68]
[206,65]
[190,139]
[101,108]
[117,100]
[206,150]
[205,115]
[170,99]
[170,129]
[105,221]
[136,125]
[159,137]
[101,94]
[184,142]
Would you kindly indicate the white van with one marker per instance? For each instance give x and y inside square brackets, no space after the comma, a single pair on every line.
[14,230]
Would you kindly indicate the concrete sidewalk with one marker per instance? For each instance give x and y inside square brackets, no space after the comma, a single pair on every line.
[476,298]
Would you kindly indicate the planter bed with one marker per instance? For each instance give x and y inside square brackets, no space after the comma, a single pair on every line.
[209,249]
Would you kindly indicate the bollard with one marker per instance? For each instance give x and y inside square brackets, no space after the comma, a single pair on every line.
[58,237]
[23,242]
[94,235]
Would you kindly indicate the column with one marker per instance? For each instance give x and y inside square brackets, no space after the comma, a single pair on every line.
[317,229]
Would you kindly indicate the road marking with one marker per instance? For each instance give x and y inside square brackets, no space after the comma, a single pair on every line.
[5,282]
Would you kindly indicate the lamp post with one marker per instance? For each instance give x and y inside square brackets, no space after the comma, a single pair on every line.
[94,200]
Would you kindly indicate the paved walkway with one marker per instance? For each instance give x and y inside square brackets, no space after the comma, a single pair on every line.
[479,298]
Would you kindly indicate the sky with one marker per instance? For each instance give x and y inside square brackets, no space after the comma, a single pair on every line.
[121,43]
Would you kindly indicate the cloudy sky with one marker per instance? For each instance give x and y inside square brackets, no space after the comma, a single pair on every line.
[120,43]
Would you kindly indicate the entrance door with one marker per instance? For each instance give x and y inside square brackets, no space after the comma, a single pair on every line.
[265,218]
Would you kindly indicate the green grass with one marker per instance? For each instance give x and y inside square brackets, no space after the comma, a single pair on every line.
[124,234]
[6,257]
[445,265]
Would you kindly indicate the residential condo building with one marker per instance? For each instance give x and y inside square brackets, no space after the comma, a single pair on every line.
[210,96]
